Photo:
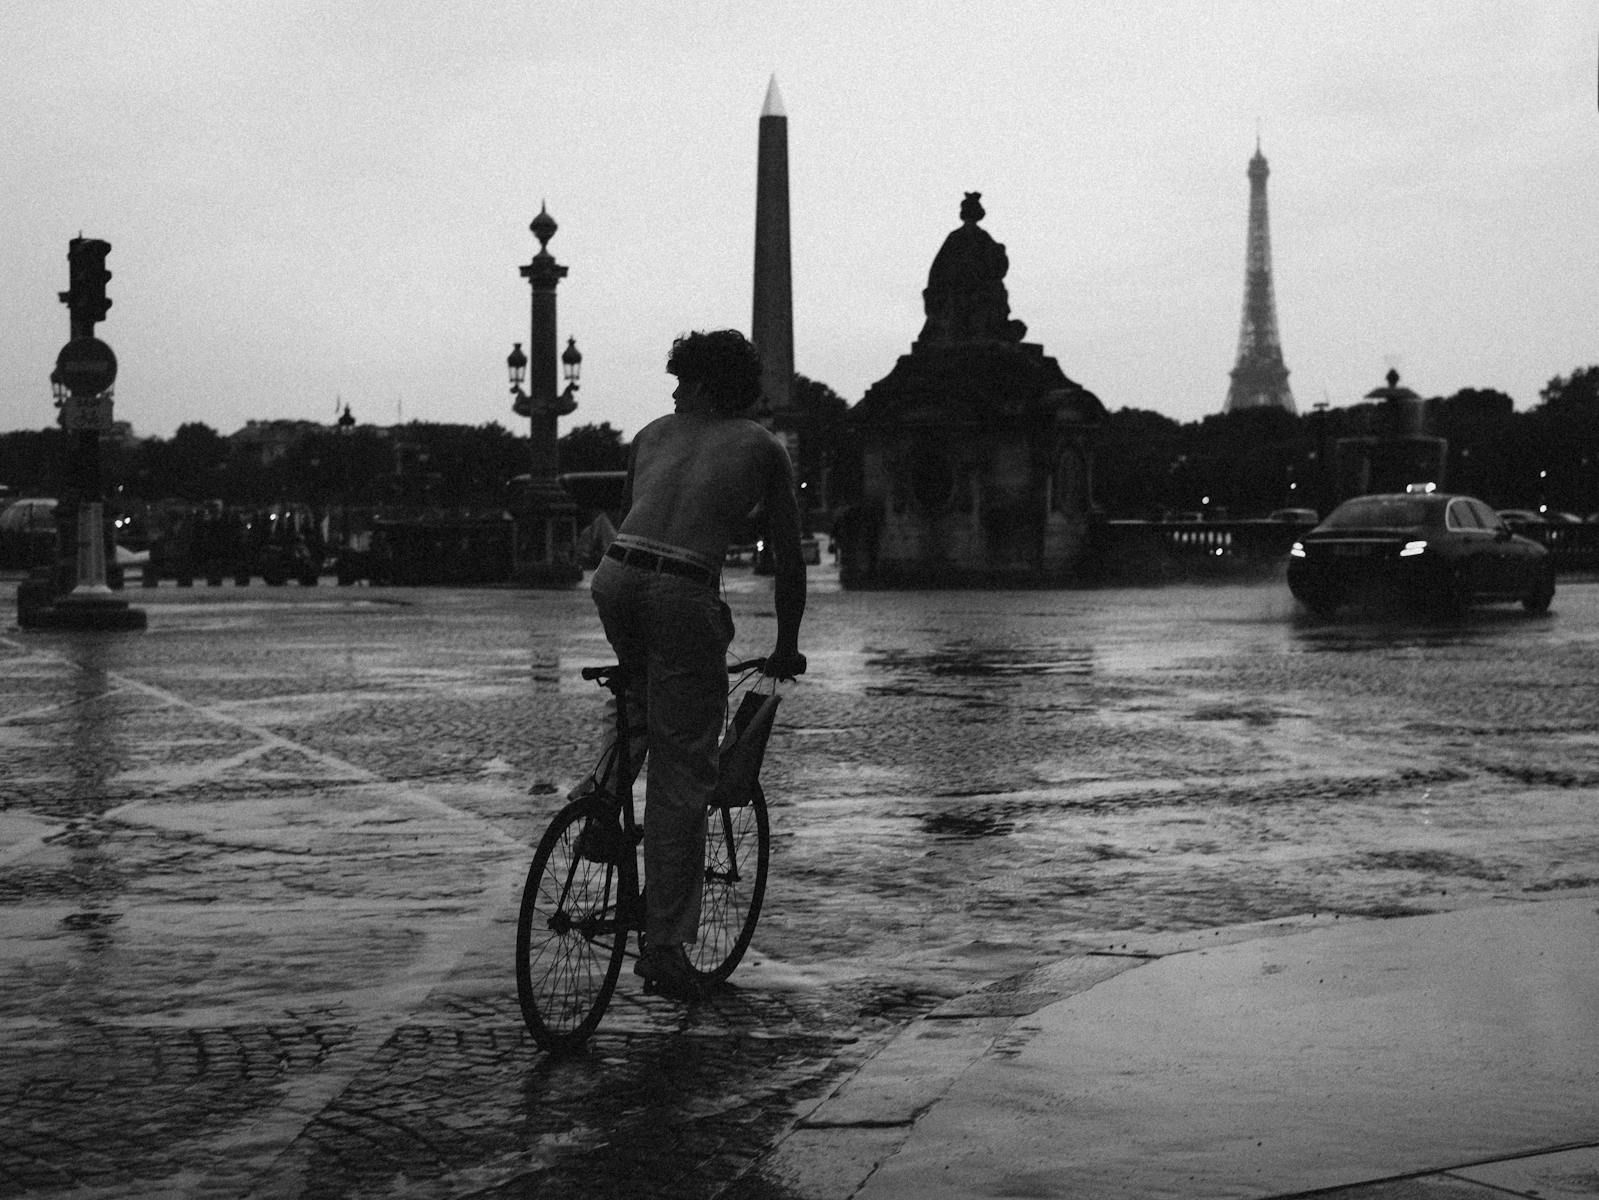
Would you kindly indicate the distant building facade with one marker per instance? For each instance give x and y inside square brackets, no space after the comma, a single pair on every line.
[974,455]
[268,441]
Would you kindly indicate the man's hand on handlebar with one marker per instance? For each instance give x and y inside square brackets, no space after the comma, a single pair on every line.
[784,666]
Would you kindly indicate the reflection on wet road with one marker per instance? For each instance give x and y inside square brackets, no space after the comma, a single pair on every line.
[258,867]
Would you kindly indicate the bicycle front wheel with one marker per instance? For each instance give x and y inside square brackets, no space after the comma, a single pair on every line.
[737,854]
[571,933]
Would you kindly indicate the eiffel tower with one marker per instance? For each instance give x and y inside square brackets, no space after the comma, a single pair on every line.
[1260,379]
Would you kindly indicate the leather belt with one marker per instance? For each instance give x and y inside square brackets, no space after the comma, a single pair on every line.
[661,564]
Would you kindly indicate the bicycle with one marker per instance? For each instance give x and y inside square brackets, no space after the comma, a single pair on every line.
[582,899]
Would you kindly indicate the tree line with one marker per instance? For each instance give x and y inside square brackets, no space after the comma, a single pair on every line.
[1146,464]
[1250,463]
[415,466]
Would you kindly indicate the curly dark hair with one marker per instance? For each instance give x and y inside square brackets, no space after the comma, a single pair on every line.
[725,361]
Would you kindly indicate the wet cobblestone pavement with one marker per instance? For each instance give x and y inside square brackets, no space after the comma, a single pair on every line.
[259,865]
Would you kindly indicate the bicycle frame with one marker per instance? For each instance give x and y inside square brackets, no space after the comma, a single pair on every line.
[615,778]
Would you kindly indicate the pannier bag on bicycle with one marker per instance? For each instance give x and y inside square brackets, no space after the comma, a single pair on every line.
[744,747]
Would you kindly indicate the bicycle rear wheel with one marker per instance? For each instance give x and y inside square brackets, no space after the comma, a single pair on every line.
[571,934]
[737,854]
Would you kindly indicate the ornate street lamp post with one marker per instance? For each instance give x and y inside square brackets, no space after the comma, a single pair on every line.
[516,364]
[571,366]
[546,537]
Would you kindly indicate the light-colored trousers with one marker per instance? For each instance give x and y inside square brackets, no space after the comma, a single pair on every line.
[675,632]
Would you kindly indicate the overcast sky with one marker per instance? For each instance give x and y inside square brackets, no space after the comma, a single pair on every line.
[315,201]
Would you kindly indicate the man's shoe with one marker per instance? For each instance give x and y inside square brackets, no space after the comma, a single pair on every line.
[666,970]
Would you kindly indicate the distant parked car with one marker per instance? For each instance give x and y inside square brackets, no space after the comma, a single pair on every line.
[1440,551]
[28,532]
[282,543]
[1294,516]
[190,541]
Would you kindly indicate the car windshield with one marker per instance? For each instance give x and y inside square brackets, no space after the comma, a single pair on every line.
[1379,512]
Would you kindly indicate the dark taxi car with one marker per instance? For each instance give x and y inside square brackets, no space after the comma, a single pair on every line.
[1442,552]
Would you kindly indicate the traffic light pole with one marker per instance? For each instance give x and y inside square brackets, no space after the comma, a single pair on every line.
[85,370]
[91,521]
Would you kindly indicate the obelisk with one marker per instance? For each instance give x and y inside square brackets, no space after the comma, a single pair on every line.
[772,324]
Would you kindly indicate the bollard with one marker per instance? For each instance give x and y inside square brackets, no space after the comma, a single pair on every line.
[33,594]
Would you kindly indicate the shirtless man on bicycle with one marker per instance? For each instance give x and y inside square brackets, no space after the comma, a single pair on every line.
[693,478]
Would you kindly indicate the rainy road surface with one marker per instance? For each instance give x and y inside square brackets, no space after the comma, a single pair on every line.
[259,865]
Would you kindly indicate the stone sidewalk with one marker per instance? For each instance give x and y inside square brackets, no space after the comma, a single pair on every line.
[1451,1057]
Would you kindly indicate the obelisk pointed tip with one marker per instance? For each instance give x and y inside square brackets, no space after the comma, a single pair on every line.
[774,101]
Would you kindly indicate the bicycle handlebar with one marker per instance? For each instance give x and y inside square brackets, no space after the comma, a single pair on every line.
[759,664]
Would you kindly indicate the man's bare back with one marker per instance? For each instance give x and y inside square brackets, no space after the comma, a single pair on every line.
[694,478]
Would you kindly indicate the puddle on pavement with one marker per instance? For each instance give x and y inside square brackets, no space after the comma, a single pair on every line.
[282,606]
[1363,633]
[207,616]
[1430,862]
[1252,713]
[977,661]
[966,826]
[912,690]
[90,922]
[1384,638]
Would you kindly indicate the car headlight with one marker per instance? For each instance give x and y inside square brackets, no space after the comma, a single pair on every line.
[1413,548]
[1297,550]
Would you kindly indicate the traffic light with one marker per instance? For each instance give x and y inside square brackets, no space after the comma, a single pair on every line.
[85,296]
